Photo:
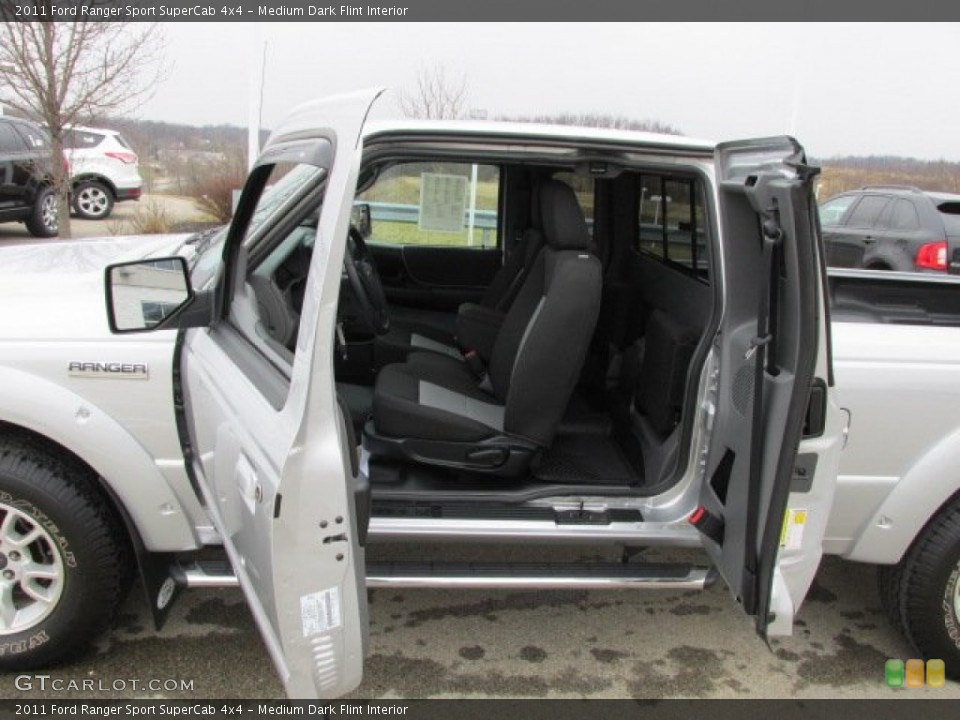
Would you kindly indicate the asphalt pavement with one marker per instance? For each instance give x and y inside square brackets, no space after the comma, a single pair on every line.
[525,644]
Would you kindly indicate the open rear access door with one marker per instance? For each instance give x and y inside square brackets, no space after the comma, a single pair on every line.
[772,459]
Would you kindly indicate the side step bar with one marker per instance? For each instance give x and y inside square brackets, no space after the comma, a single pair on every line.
[538,576]
[601,576]
[205,574]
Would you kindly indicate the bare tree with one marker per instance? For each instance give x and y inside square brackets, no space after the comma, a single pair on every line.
[600,120]
[62,73]
[437,96]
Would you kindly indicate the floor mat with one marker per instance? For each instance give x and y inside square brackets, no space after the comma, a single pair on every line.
[586,459]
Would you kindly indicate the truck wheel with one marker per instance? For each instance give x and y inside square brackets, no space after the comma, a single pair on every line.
[63,559]
[43,220]
[924,590]
[92,200]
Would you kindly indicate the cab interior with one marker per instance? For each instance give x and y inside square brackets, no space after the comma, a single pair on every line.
[539,327]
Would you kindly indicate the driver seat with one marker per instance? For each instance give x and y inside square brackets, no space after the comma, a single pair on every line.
[434,409]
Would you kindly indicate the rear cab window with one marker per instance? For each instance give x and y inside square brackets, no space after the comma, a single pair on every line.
[434,204]
[671,224]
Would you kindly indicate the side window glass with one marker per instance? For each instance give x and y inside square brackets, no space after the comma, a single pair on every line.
[434,203]
[671,222]
[904,216]
[9,140]
[279,246]
[832,211]
[867,211]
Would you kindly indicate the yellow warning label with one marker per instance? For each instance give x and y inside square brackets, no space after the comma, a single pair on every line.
[794,522]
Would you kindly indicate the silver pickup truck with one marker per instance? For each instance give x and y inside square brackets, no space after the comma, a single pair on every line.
[575,336]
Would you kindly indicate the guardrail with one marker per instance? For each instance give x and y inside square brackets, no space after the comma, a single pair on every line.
[483,220]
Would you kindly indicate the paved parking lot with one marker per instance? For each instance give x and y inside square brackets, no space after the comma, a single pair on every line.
[120,222]
[612,644]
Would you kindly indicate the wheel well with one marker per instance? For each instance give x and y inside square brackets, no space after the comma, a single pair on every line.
[954,498]
[71,459]
[96,178]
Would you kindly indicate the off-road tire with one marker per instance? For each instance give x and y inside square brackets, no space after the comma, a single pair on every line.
[920,590]
[57,493]
[43,221]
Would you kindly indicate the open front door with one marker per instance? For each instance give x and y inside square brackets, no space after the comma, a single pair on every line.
[268,442]
[772,460]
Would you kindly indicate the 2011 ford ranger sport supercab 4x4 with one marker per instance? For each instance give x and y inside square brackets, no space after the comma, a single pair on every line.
[470,333]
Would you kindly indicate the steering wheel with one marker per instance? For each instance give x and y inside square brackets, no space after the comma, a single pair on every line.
[365,282]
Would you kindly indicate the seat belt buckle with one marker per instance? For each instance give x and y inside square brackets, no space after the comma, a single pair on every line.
[475,363]
[708,524]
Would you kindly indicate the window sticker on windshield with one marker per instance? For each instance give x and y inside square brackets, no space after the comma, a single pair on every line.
[443,202]
[320,611]
[794,522]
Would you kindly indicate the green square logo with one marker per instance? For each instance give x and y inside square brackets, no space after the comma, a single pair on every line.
[894,673]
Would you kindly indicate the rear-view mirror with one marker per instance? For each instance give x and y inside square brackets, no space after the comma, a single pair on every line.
[360,218]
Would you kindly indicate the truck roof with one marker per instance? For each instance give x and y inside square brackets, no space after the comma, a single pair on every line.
[542,131]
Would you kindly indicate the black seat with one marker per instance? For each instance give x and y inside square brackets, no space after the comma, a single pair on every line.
[406,336]
[433,408]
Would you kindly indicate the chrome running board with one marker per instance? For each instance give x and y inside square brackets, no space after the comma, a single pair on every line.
[540,576]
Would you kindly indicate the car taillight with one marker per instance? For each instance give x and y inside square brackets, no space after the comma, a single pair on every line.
[933,256]
[126,158]
[66,165]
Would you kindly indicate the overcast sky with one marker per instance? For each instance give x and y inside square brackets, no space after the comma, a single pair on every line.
[840,88]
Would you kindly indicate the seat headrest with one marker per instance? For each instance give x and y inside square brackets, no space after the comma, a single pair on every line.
[564,226]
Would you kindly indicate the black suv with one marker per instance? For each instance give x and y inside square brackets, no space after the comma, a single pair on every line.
[887,227]
[26,192]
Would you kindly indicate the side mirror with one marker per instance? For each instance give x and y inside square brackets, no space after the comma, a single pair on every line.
[361,220]
[142,295]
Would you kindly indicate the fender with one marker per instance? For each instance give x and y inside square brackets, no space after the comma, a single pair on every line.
[83,177]
[128,470]
[912,503]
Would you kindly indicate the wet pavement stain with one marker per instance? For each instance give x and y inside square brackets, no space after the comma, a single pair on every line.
[420,677]
[215,611]
[787,655]
[533,654]
[699,670]
[483,608]
[818,593]
[211,668]
[682,610]
[607,656]
[852,663]
[474,652]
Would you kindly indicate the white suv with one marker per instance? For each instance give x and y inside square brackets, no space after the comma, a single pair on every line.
[104,170]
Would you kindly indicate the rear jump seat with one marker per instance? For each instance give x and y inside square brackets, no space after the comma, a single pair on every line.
[633,437]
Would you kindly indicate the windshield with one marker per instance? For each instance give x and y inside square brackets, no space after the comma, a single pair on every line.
[210,243]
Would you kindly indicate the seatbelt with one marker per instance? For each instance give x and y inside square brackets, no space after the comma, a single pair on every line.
[763,350]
